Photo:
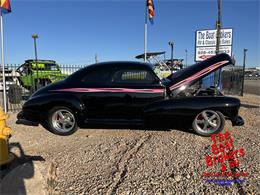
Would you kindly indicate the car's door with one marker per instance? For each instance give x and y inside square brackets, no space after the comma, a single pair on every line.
[138,87]
[96,95]
[118,92]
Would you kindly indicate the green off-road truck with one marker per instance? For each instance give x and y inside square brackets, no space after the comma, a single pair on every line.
[34,75]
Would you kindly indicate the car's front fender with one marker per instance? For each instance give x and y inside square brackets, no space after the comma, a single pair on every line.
[187,108]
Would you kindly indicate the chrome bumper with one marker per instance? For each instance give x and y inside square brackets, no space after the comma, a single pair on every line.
[23,121]
[238,121]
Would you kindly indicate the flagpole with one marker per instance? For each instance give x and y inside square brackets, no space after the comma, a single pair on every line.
[3,61]
[145,31]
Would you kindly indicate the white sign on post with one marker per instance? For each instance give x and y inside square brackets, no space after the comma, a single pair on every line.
[202,53]
[206,41]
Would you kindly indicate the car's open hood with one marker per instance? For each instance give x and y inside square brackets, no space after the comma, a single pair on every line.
[197,71]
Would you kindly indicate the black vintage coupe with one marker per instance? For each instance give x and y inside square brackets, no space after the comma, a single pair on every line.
[131,93]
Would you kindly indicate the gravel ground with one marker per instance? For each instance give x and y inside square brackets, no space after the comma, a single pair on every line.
[123,161]
[252,86]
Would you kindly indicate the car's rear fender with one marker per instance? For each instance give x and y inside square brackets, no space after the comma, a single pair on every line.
[188,108]
[44,103]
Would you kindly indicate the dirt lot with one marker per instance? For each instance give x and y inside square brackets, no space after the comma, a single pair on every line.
[252,86]
[123,161]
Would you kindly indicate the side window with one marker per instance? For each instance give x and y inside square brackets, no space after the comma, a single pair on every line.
[133,77]
[96,76]
[24,70]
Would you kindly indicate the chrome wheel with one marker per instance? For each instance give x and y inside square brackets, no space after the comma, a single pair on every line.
[63,120]
[206,122]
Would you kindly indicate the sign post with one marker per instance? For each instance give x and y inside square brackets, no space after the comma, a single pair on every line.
[243,78]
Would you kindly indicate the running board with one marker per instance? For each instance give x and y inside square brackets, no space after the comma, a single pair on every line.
[115,121]
[26,122]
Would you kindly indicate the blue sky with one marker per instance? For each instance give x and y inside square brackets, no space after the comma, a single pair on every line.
[72,32]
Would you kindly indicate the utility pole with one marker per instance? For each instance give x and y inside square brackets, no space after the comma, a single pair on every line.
[96,58]
[218,27]
[243,78]
[171,45]
[35,36]
[186,57]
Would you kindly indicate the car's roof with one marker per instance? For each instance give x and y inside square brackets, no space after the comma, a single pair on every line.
[124,64]
[40,61]
[111,65]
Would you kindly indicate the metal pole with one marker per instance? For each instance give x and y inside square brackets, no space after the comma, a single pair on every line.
[35,36]
[186,56]
[172,53]
[96,58]
[218,27]
[145,41]
[3,63]
[243,78]
[171,45]
[145,32]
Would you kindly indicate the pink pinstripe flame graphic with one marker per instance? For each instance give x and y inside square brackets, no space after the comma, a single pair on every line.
[198,74]
[118,90]
[94,90]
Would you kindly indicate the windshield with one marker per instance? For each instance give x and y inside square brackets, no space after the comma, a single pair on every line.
[42,66]
[51,67]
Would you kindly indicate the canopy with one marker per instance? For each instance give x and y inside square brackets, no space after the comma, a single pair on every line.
[149,54]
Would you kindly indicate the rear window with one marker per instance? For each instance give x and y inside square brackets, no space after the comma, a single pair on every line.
[133,77]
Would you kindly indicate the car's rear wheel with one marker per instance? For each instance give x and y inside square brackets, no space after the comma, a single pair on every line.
[62,121]
[208,122]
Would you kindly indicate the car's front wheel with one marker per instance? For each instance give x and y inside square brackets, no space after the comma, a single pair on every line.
[208,122]
[62,121]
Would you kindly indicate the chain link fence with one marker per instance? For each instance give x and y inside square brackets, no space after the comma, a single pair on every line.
[231,80]
[20,86]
